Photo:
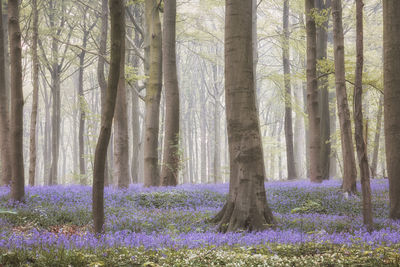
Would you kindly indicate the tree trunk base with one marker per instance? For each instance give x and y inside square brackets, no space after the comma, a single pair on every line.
[231,219]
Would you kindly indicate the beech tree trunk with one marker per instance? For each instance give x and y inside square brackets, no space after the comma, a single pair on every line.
[378,129]
[358,120]
[322,45]
[82,111]
[153,93]
[291,166]
[17,103]
[349,164]
[246,207]
[314,120]
[5,158]
[117,44]
[170,166]
[100,67]
[35,94]
[121,134]
[391,46]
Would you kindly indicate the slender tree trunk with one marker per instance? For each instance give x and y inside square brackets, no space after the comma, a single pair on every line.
[291,166]
[170,167]
[322,45]
[203,135]
[358,119]
[349,164]
[333,157]
[391,46]
[82,113]
[153,93]
[121,134]
[247,207]
[100,67]
[314,119]
[35,94]
[217,142]
[117,45]
[377,138]
[17,103]
[5,158]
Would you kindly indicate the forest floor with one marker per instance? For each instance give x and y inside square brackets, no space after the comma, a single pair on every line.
[316,226]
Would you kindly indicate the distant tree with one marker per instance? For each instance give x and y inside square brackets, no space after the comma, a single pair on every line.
[117,45]
[378,130]
[314,119]
[170,167]
[5,158]
[246,207]
[391,46]
[349,162]
[17,103]
[358,119]
[153,65]
[35,93]
[291,166]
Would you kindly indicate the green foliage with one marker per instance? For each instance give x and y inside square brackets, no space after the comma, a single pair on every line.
[307,255]
[310,206]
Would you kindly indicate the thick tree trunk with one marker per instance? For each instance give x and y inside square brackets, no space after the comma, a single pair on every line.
[35,94]
[377,138]
[5,158]
[117,44]
[291,166]
[314,119]
[17,103]
[170,167]
[391,46]
[322,45]
[121,134]
[246,208]
[358,120]
[349,164]
[153,93]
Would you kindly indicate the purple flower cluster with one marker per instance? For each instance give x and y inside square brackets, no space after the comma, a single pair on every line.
[177,217]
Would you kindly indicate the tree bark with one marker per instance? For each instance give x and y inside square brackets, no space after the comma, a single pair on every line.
[82,110]
[170,166]
[247,207]
[314,120]
[322,45]
[5,158]
[391,46]
[291,166]
[377,138]
[100,67]
[117,45]
[349,164]
[358,119]
[121,134]
[17,103]
[153,93]
[35,94]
